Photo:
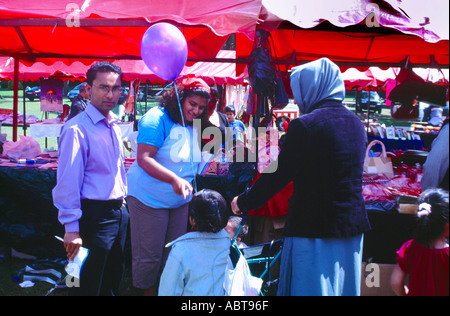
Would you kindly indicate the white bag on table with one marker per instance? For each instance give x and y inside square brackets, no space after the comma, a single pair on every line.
[25,147]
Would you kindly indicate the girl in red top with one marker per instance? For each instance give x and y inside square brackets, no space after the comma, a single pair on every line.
[425,258]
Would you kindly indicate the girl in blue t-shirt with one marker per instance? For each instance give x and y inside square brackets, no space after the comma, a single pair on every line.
[159,182]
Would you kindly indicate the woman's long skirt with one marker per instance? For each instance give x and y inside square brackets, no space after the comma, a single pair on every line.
[321,267]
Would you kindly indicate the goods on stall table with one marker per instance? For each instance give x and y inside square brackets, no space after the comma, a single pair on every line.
[218,165]
[404,184]
[25,147]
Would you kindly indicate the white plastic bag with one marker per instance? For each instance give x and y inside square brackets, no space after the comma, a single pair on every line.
[239,280]
[25,147]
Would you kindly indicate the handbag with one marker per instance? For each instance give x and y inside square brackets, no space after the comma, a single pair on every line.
[378,165]
[281,96]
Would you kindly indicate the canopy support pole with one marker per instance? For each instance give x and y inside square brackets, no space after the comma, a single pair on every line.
[368,115]
[24,110]
[16,98]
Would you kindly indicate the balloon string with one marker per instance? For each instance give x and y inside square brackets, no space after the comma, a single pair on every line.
[164,88]
[179,103]
[185,135]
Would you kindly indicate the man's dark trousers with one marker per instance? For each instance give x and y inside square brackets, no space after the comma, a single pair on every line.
[103,230]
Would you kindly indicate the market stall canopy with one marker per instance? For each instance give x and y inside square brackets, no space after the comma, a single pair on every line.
[420,81]
[356,33]
[109,29]
[219,73]
[373,77]
[440,76]
[351,33]
[75,71]
[427,92]
[428,20]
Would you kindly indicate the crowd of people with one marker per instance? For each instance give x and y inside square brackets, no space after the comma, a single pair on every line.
[322,154]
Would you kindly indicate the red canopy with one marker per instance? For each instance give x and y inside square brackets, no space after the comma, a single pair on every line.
[373,77]
[109,29]
[76,70]
[352,33]
[219,73]
[428,20]
[302,30]
[358,34]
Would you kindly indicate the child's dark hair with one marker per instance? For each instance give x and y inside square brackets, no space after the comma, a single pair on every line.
[210,211]
[431,225]
[230,108]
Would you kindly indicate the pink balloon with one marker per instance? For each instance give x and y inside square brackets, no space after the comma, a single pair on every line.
[164,50]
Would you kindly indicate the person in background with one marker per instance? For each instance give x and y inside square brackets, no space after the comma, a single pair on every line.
[425,259]
[217,120]
[436,117]
[160,180]
[232,226]
[238,126]
[130,141]
[427,111]
[284,123]
[197,261]
[80,102]
[91,185]
[435,168]
[323,155]
[215,117]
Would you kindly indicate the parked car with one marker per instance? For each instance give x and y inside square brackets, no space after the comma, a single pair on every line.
[362,99]
[124,95]
[33,93]
[74,92]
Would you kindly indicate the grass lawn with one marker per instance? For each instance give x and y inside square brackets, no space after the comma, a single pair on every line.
[9,285]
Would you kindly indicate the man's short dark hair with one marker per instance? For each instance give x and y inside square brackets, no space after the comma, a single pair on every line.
[82,86]
[102,66]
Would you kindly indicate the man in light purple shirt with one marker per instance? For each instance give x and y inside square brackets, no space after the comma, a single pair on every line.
[91,185]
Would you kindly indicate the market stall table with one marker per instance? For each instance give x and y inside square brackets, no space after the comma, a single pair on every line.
[28,218]
[26,198]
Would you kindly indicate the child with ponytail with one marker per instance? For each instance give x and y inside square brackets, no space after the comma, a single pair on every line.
[425,259]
